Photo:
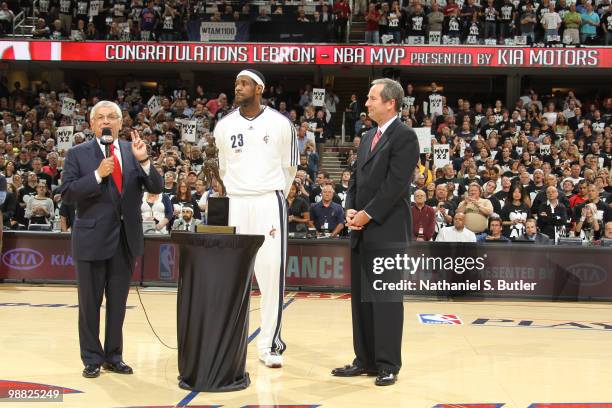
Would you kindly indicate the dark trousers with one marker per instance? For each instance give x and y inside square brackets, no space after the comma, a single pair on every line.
[96,278]
[377,326]
[340,29]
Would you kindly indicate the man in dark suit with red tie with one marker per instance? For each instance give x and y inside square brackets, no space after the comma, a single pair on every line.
[105,183]
[378,214]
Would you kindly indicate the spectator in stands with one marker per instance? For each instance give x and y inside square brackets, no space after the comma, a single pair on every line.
[313,157]
[417,22]
[532,234]
[214,105]
[264,15]
[458,232]
[149,22]
[341,11]
[40,208]
[606,25]
[157,208]
[92,32]
[489,194]
[396,21]
[495,232]
[567,186]
[551,181]
[6,19]
[451,6]
[327,216]
[37,169]
[552,215]
[441,197]
[79,33]
[572,22]
[56,32]
[383,22]
[298,210]
[187,221]
[360,124]
[331,101]
[8,207]
[507,18]
[66,11]
[608,230]
[515,212]
[589,23]
[303,135]
[551,22]
[430,191]
[301,16]
[360,7]
[452,26]
[372,19]
[352,112]
[423,218]
[476,209]
[589,215]
[491,15]
[342,187]
[169,187]
[183,197]
[24,163]
[590,224]
[41,30]
[435,19]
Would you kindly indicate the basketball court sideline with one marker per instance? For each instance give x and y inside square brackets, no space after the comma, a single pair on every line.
[515,353]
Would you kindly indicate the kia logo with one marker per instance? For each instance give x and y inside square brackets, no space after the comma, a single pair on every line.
[589,274]
[22,259]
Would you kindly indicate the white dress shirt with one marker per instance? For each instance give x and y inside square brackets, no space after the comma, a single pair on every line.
[117,152]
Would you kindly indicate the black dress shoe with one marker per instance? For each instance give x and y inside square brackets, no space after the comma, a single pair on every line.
[119,368]
[385,378]
[91,371]
[352,370]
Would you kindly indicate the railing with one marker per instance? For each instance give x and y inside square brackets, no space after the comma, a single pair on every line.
[18,21]
[343,127]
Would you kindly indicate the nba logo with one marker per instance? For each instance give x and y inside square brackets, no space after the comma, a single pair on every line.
[167,258]
[426,318]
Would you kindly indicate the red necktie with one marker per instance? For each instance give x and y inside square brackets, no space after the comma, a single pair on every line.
[377,137]
[117,170]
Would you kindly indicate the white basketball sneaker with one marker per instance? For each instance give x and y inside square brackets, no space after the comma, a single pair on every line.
[271,359]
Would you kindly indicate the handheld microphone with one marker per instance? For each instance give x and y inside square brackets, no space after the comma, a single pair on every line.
[107,140]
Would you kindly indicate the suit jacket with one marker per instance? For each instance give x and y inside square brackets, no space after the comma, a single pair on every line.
[539,239]
[100,209]
[547,220]
[179,224]
[380,185]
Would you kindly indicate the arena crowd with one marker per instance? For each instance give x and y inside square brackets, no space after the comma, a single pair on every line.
[538,170]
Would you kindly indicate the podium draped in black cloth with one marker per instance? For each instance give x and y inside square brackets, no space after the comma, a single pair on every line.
[215,272]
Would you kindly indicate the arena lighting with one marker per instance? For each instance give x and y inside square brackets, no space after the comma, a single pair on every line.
[149,84]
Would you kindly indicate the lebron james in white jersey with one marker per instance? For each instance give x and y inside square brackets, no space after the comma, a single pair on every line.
[258,159]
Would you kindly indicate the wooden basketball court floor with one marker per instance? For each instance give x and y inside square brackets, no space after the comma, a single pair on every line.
[505,353]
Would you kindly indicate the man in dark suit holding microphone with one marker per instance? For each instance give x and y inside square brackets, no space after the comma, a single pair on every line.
[378,212]
[104,180]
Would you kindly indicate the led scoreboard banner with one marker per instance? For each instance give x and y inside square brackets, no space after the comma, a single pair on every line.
[303,54]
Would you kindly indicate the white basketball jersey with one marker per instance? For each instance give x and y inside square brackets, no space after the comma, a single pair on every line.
[256,155]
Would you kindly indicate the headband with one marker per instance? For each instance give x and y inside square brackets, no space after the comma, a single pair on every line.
[253,76]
